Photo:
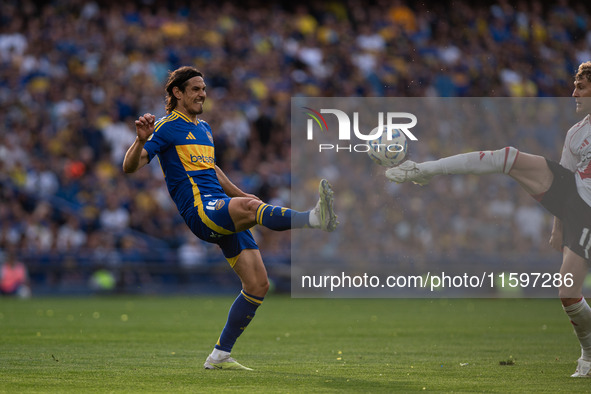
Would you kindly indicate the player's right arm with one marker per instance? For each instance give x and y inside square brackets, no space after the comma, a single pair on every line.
[136,156]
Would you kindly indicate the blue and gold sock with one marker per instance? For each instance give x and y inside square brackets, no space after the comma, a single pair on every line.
[280,218]
[240,315]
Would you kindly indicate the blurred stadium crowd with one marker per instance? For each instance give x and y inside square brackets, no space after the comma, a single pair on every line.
[74,74]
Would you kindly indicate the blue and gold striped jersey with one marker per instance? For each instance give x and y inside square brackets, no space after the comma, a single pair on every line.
[186,154]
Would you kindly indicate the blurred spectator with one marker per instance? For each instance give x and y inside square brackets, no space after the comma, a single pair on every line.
[70,235]
[14,277]
[531,221]
[118,135]
[191,253]
[114,217]
[41,181]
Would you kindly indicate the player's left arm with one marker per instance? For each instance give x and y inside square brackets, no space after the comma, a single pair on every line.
[229,188]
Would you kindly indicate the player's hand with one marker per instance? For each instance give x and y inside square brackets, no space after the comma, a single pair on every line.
[556,241]
[144,126]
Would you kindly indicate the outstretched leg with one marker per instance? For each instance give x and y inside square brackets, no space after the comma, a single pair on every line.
[530,171]
[479,163]
[246,212]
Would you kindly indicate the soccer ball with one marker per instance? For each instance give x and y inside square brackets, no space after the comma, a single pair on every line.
[385,152]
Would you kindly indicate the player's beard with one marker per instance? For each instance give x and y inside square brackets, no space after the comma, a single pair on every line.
[191,110]
[200,110]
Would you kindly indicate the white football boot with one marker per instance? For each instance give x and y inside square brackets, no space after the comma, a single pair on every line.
[225,363]
[408,171]
[324,209]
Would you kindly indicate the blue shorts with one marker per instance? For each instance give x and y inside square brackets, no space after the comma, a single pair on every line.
[211,222]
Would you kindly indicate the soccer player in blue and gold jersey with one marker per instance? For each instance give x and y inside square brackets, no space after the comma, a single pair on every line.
[213,207]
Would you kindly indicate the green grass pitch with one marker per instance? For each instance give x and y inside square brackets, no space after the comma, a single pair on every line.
[150,344]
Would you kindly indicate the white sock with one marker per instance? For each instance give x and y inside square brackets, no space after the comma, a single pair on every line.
[314,219]
[483,162]
[218,354]
[580,317]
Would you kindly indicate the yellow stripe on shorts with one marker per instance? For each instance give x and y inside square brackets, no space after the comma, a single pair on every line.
[232,260]
[201,212]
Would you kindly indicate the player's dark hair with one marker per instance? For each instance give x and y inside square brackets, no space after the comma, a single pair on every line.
[584,71]
[178,78]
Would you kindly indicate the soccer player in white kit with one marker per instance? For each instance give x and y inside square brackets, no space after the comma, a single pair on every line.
[563,189]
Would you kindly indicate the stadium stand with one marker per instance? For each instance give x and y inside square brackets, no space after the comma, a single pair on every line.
[75,74]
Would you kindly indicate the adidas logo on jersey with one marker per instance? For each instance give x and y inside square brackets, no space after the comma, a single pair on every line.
[190,136]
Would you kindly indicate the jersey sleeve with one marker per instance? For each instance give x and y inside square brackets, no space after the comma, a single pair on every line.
[158,142]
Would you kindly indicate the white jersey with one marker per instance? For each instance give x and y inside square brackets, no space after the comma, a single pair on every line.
[576,156]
